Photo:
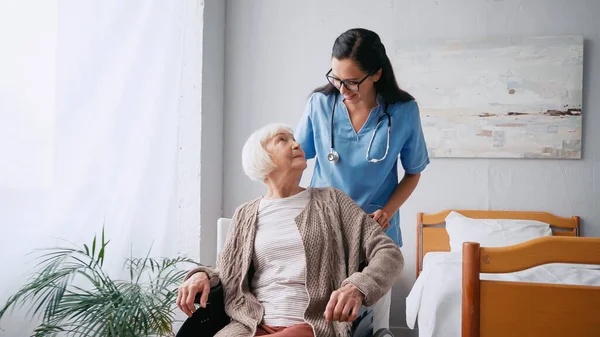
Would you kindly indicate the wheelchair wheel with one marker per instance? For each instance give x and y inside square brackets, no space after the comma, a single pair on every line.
[383,333]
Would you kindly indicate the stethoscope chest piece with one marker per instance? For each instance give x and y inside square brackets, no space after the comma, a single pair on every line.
[333,156]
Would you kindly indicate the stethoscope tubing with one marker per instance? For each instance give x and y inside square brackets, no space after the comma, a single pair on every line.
[333,156]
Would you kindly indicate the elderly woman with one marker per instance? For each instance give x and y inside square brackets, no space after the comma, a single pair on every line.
[291,262]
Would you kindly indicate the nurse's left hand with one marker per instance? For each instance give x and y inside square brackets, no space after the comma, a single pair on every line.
[382,218]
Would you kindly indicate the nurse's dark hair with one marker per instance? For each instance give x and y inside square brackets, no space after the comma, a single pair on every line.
[365,48]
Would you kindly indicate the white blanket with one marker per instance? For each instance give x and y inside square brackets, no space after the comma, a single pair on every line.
[435,299]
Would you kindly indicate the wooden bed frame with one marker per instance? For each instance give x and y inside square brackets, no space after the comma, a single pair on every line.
[518,309]
[433,237]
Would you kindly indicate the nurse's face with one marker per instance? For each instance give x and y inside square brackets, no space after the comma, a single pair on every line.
[353,89]
[286,153]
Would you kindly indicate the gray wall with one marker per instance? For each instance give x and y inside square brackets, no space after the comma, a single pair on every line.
[277,51]
[211,154]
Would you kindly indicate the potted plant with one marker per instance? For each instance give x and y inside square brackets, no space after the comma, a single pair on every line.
[76,297]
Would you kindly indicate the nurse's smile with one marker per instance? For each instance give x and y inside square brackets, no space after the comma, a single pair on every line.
[349,97]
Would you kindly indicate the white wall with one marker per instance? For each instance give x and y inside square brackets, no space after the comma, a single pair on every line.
[189,183]
[277,51]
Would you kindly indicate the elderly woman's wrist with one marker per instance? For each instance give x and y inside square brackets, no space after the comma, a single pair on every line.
[356,291]
[199,274]
[196,271]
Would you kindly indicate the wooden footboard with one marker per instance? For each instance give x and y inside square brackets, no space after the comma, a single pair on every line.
[499,308]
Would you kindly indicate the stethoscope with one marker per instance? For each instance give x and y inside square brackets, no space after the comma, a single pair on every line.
[334,157]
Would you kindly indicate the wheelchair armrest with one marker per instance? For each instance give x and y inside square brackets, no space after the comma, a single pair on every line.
[215,295]
[363,324]
[207,321]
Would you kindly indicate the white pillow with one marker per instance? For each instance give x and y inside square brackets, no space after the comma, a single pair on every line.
[492,232]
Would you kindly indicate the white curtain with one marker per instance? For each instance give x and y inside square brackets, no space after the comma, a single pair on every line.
[89,104]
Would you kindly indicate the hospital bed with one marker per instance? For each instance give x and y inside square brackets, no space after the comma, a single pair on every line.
[361,327]
[544,286]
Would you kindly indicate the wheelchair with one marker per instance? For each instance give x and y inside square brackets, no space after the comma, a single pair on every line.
[206,322]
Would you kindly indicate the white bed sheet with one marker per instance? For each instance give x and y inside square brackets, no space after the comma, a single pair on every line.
[435,299]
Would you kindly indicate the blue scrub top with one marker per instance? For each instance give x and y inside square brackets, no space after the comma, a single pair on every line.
[370,185]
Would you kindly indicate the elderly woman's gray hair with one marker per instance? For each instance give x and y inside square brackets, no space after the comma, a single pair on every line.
[256,161]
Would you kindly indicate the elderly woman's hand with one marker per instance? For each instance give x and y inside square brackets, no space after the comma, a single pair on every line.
[344,304]
[382,218]
[197,283]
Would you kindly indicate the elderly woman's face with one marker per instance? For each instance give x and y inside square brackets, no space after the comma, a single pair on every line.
[285,152]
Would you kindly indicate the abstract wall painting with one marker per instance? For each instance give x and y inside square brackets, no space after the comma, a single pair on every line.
[513,97]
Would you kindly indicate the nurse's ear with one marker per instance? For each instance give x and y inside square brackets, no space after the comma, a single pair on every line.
[375,77]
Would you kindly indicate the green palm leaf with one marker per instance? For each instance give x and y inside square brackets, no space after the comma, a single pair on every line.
[75,297]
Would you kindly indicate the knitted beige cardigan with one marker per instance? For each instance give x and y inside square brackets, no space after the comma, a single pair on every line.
[337,236]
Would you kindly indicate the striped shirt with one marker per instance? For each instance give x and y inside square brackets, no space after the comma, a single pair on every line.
[279,282]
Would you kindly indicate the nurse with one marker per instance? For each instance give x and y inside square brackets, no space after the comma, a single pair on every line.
[358,127]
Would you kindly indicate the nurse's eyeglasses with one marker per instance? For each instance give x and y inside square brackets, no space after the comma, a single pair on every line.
[350,85]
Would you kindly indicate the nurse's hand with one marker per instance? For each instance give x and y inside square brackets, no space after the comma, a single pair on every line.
[382,218]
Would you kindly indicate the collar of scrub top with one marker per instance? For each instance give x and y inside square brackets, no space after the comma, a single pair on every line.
[380,102]
[339,100]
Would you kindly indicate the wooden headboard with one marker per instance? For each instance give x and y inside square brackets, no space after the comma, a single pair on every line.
[433,237]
